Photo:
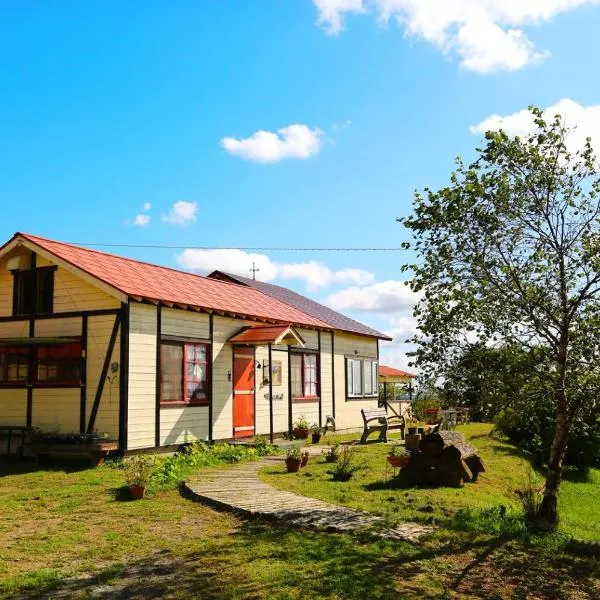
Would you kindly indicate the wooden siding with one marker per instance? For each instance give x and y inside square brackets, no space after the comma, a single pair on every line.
[141,414]
[184,323]
[280,394]
[56,410]
[347,412]
[182,424]
[13,407]
[326,377]
[99,331]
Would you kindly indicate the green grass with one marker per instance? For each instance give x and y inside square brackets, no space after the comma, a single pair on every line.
[507,468]
[73,532]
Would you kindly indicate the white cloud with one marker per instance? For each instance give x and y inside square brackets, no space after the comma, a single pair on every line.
[486,35]
[385,297]
[141,220]
[181,213]
[314,274]
[147,206]
[584,119]
[294,141]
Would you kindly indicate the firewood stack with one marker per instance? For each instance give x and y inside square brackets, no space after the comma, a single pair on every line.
[444,458]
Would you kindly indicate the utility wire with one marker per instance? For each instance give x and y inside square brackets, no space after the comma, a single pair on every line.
[245,248]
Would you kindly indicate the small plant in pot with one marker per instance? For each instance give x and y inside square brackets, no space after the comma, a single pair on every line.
[398,457]
[301,428]
[305,457]
[293,459]
[332,454]
[316,432]
[138,472]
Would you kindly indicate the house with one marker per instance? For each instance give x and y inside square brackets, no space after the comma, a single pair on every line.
[156,357]
[397,386]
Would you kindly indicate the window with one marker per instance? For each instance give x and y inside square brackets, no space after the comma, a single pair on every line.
[33,291]
[304,375]
[362,378]
[55,364]
[183,373]
[14,364]
[59,364]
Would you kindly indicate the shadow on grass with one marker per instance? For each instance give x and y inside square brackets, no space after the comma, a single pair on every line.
[27,466]
[265,561]
[121,494]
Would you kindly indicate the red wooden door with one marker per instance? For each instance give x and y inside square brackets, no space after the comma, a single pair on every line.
[243,392]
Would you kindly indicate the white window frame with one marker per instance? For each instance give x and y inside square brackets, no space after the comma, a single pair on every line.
[356,365]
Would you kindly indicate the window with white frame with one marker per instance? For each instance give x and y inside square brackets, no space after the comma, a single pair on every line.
[362,378]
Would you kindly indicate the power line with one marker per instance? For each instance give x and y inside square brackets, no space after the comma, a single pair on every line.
[245,248]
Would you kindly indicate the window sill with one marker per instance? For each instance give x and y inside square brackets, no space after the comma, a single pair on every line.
[361,398]
[181,404]
[306,399]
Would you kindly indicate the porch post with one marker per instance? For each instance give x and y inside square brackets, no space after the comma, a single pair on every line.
[270,393]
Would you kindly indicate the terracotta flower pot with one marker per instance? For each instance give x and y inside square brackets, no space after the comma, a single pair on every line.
[398,461]
[292,465]
[304,461]
[301,433]
[137,492]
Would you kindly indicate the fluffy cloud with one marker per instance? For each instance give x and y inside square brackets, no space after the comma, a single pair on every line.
[294,141]
[147,206]
[584,119]
[181,213]
[141,220]
[314,274]
[385,297]
[486,35]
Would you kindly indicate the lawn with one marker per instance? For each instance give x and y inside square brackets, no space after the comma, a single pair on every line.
[507,471]
[74,534]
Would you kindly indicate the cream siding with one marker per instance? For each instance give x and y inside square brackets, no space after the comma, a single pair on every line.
[141,413]
[13,407]
[99,332]
[179,425]
[14,329]
[280,393]
[56,410]
[184,323]
[326,377]
[347,412]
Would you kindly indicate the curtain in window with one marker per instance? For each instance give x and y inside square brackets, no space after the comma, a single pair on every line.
[296,369]
[171,372]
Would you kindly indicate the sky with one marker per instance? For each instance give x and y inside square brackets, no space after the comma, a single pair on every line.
[262,124]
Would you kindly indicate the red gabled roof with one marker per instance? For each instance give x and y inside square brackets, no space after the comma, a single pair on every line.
[391,372]
[264,334]
[306,305]
[152,282]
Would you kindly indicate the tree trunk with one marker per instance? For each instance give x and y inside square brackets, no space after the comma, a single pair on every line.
[548,512]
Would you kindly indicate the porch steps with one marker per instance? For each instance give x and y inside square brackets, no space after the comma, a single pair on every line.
[238,488]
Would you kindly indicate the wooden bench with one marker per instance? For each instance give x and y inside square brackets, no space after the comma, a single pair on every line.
[95,452]
[377,419]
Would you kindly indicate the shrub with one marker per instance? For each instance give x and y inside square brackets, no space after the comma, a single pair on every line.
[333,453]
[293,453]
[346,465]
[301,423]
[422,403]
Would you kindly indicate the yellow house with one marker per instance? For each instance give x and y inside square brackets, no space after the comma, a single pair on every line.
[154,357]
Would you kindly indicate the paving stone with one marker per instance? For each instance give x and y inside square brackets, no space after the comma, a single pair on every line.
[239,488]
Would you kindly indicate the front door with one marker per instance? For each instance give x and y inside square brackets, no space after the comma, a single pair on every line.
[243,392]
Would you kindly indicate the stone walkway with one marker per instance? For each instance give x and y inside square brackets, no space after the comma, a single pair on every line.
[238,488]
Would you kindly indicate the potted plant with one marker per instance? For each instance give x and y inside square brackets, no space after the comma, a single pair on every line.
[332,454]
[301,428]
[138,471]
[316,433]
[293,459]
[305,457]
[398,457]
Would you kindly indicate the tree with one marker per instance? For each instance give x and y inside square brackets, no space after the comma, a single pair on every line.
[508,253]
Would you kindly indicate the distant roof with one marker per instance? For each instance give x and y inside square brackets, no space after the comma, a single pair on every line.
[306,305]
[154,283]
[391,372]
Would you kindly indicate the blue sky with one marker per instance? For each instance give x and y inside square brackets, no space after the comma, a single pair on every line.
[110,106]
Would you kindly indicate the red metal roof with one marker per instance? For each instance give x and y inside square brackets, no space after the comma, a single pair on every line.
[263,334]
[306,305]
[152,282]
[391,372]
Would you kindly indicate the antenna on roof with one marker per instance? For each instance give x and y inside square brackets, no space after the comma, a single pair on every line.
[254,270]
